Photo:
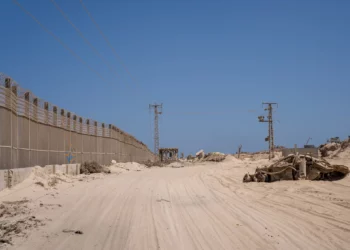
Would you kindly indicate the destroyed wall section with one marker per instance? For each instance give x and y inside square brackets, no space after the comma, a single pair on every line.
[34,132]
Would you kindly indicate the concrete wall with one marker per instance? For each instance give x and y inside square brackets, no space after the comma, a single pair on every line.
[36,133]
[12,177]
[303,151]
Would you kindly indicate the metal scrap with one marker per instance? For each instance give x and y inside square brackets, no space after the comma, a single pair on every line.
[289,168]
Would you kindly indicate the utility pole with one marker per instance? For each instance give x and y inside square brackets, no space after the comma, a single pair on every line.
[158,108]
[269,119]
[239,150]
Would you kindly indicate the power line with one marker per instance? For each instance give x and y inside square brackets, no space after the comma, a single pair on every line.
[107,40]
[59,40]
[83,37]
[211,113]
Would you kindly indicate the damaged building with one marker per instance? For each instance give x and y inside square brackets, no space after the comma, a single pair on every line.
[168,154]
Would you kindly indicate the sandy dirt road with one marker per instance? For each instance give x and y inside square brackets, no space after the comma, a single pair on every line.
[199,207]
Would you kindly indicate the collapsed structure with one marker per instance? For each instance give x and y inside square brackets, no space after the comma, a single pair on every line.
[294,167]
[202,156]
[333,149]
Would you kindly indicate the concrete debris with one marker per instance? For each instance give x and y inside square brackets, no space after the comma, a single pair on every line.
[200,154]
[190,157]
[152,163]
[113,162]
[327,148]
[295,167]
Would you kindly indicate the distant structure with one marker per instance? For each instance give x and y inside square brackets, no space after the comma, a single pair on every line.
[303,151]
[239,150]
[334,139]
[307,145]
[158,110]
[168,154]
[269,119]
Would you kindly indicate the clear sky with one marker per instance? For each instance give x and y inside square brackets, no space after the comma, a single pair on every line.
[209,62]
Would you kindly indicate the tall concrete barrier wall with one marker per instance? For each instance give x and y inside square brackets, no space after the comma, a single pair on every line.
[34,132]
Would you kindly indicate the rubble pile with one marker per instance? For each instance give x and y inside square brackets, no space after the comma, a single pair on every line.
[295,167]
[200,154]
[152,163]
[326,149]
[333,149]
[190,157]
[128,166]
[93,167]
[215,156]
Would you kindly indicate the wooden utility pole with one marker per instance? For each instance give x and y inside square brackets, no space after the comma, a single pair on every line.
[269,119]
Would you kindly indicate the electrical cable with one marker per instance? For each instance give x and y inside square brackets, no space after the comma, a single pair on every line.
[81,60]
[83,37]
[107,41]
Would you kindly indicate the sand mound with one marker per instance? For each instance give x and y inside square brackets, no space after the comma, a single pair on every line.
[16,221]
[232,159]
[40,177]
[200,154]
[344,154]
[176,165]
[260,156]
[129,166]
[339,151]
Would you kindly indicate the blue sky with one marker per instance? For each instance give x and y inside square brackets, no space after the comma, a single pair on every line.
[208,62]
